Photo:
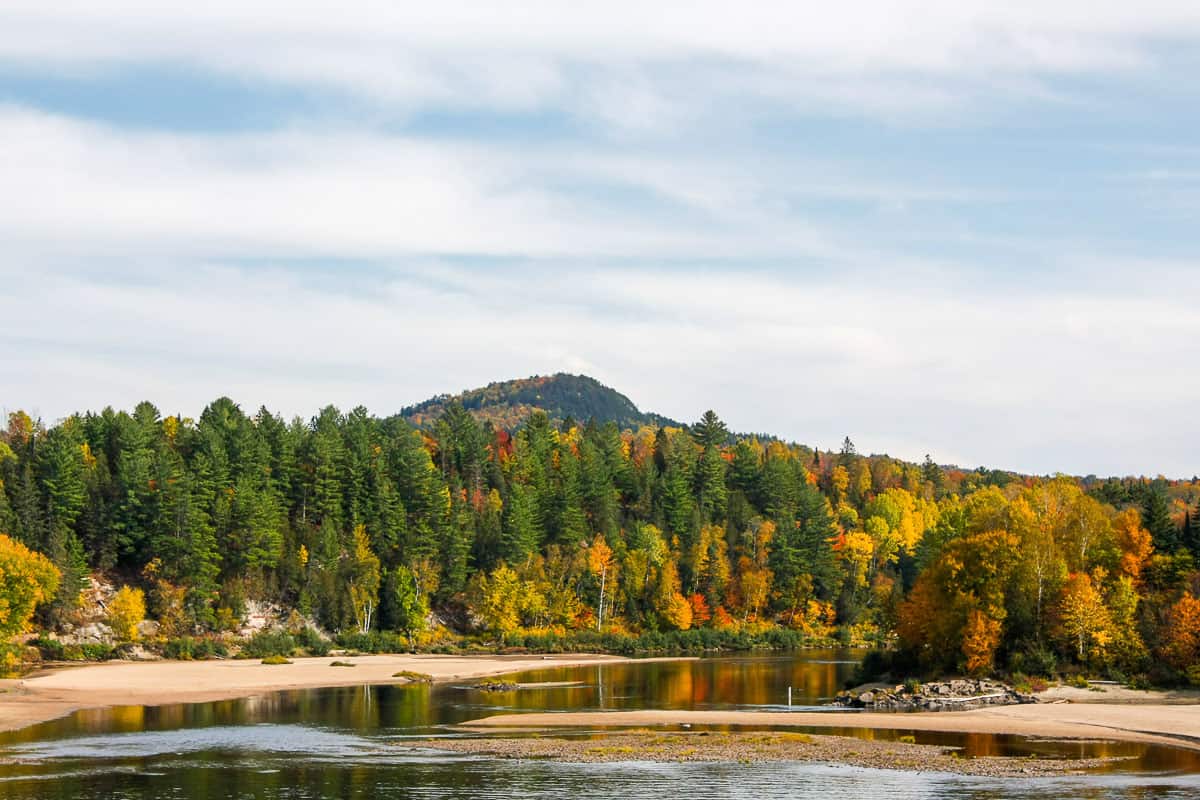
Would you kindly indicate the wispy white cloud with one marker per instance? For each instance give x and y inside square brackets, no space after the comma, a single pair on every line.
[340,192]
[868,55]
[679,237]
[1025,381]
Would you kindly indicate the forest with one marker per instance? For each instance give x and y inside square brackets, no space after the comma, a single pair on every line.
[556,528]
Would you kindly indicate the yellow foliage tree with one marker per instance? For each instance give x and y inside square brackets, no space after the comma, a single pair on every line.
[1084,620]
[601,564]
[27,578]
[674,608]
[1134,542]
[126,609]
[497,600]
[364,570]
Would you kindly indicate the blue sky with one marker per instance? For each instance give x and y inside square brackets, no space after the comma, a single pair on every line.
[936,227]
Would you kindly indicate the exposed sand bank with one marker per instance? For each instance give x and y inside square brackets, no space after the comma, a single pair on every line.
[60,691]
[750,748]
[1177,725]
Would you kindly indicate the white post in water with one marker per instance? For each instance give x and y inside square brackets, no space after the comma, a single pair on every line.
[789,697]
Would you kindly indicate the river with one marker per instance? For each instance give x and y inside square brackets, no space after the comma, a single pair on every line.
[356,742]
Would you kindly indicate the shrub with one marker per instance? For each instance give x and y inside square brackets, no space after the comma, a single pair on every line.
[1034,661]
[313,642]
[1193,674]
[54,650]
[340,664]
[374,642]
[413,677]
[188,648]
[269,643]
[273,660]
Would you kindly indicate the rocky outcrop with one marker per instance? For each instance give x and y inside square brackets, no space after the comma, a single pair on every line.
[951,695]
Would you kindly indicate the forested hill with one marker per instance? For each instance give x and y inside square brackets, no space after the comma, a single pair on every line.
[366,524]
[507,404]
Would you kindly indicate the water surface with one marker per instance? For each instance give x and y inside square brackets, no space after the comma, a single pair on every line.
[358,742]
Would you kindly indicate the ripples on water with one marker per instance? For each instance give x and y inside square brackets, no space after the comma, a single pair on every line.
[351,743]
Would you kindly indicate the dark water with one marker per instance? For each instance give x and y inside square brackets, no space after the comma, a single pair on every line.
[356,742]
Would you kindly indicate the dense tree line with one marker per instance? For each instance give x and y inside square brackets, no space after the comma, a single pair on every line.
[366,524]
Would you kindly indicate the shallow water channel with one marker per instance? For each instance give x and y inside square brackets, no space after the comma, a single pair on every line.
[343,742]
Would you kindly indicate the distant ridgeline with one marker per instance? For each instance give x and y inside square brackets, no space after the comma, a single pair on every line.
[508,404]
[516,519]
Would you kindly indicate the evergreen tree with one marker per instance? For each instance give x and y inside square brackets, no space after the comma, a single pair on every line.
[1156,517]
[710,431]
[711,494]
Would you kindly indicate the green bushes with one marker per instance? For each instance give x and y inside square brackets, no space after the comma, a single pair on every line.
[275,660]
[374,642]
[54,650]
[313,642]
[188,648]
[695,640]
[281,643]
[269,643]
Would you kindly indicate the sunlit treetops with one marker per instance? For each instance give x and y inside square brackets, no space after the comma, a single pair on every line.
[368,524]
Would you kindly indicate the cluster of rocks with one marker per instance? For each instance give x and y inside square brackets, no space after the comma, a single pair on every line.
[951,695]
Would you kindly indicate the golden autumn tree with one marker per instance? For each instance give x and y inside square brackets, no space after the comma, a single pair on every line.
[671,605]
[126,609]
[1181,636]
[981,637]
[364,579]
[754,587]
[971,574]
[1133,541]
[27,578]
[496,599]
[1084,622]
[601,564]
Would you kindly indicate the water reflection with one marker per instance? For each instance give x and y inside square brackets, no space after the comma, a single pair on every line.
[351,742]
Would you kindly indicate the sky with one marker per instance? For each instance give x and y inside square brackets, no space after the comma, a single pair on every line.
[961,228]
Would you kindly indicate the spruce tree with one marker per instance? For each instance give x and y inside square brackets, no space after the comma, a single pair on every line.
[1156,516]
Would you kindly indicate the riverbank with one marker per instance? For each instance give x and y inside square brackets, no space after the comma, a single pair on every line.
[1174,725]
[58,691]
[760,747]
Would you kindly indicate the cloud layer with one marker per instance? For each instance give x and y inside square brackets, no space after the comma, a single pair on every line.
[951,228]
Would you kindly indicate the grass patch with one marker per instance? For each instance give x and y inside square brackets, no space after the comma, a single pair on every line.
[908,739]
[276,660]
[801,738]
[413,677]
[340,664]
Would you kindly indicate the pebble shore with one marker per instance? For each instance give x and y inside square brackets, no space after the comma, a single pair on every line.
[760,747]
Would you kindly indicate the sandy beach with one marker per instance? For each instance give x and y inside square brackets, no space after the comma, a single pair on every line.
[60,691]
[1176,725]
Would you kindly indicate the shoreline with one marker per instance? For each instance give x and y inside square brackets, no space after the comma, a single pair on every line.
[1142,717]
[62,690]
[1160,724]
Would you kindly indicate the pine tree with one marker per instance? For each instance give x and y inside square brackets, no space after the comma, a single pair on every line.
[1156,517]
[519,537]
[710,431]
[1191,538]
[711,494]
